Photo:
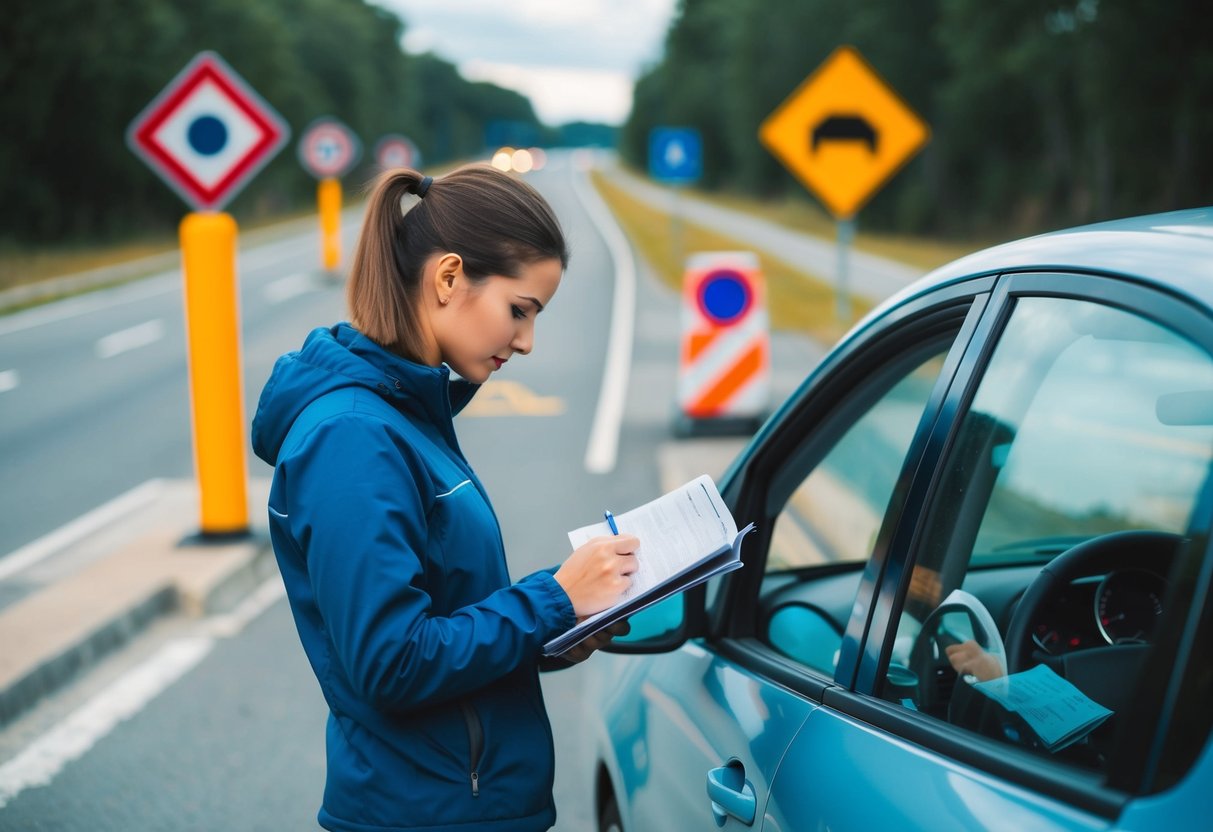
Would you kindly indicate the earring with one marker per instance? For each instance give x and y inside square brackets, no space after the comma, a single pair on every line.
[443,300]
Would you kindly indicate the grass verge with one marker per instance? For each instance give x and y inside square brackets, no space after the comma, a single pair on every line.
[797,299]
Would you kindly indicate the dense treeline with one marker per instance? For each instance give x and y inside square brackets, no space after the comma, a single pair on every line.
[74,73]
[1043,112]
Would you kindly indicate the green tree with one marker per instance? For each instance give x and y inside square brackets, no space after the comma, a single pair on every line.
[74,73]
[1043,112]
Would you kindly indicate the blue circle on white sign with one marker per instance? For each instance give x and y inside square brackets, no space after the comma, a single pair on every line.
[724,297]
[207,135]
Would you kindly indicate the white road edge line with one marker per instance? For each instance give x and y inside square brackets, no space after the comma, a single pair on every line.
[288,287]
[42,760]
[81,527]
[161,284]
[132,338]
[9,380]
[603,448]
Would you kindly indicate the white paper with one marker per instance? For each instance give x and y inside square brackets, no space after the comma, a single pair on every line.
[1057,711]
[675,530]
[686,536]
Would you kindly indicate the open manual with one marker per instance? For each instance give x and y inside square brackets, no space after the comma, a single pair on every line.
[686,537]
[1056,711]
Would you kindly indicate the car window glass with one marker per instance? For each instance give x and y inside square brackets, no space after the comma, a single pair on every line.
[834,515]
[1086,446]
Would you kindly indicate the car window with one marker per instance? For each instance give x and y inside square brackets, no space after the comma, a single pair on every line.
[1086,447]
[835,512]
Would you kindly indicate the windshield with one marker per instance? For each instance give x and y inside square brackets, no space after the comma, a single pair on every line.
[1067,417]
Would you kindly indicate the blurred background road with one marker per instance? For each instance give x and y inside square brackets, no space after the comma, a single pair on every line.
[238,744]
[168,720]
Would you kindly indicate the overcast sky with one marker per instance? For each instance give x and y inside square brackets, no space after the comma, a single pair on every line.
[575,59]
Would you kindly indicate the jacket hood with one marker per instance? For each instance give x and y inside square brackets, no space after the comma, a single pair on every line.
[340,356]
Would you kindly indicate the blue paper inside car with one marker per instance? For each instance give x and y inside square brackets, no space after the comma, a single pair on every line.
[978,595]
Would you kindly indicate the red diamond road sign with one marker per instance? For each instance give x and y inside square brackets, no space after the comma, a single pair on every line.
[328,149]
[396,151]
[207,133]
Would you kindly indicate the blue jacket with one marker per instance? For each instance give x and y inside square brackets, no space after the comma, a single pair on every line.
[396,575]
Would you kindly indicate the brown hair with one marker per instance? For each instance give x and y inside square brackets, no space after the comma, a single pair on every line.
[494,221]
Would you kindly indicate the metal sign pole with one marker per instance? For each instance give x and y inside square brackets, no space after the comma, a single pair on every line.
[846,235]
[676,244]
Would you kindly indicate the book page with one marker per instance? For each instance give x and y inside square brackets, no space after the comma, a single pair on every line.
[675,530]
[1053,707]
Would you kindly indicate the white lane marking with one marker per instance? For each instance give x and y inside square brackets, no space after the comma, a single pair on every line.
[125,340]
[138,497]
[42,760]
[9,380]
[288,287]
[603,447]
[162,284]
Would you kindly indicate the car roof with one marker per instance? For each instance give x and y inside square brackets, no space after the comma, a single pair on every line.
[1173,251]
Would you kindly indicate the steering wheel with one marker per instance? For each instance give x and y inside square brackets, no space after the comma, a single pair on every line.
[928,657]
[1119,550]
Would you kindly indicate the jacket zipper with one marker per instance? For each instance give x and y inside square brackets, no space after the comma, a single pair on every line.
[475,743]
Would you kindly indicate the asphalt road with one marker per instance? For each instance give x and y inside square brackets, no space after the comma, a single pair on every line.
[99,396]
[237,743]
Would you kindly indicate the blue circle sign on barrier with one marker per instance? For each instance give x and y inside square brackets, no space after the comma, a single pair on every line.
[207,135]
[724,297]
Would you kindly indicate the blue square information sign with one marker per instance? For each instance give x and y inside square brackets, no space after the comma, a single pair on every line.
[675,154]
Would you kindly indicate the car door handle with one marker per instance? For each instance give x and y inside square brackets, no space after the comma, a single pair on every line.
[731,794]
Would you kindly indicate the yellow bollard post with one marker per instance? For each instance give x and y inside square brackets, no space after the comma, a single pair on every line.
[328,198]
[208,253]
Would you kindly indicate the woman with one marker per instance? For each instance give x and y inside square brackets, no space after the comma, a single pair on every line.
[392,557]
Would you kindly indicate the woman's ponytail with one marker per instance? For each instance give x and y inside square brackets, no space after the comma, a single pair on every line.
[383,283]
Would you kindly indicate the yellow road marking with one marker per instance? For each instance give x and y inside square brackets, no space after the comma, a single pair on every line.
[509,398]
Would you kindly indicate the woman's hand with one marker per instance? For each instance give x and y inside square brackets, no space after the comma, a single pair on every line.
[597,573]
[600,639]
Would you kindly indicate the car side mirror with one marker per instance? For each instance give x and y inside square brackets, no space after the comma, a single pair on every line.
[663,627]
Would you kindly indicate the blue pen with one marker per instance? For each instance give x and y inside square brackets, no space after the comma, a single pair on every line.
[610,518]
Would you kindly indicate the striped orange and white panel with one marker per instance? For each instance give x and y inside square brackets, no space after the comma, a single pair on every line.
[724,370]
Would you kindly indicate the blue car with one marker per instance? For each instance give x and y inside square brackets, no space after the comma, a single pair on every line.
[978,596]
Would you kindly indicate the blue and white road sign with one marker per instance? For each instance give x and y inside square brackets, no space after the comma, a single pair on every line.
[328,148]
[396,151]
[675,154]
[724,296]
[207,133]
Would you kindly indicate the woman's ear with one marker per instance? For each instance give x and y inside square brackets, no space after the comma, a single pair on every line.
[447,272]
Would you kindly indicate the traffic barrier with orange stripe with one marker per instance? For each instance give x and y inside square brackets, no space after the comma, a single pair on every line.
[724,373]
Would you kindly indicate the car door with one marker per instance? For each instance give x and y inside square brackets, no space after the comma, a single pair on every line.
[699,732]
[1072,452]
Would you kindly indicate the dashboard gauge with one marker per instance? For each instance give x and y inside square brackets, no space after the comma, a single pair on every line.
[1128,604]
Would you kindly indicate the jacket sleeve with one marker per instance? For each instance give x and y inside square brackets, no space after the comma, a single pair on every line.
[358,516]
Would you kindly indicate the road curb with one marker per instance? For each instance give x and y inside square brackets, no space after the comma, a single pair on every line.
[55,633]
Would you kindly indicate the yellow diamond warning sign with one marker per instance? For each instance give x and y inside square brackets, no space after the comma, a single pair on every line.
[844,132]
